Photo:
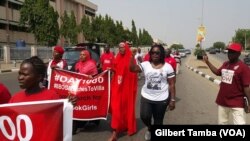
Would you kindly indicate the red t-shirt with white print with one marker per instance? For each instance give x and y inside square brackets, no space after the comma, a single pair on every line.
[234,77]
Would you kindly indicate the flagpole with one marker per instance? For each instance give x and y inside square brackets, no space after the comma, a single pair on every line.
[202,7]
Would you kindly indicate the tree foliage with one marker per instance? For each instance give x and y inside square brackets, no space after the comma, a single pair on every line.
[85,28]
[134,36]
[41,20]
[176,46]
[219,45]
[105,29]
[242,36]
[69,28]
[73,29]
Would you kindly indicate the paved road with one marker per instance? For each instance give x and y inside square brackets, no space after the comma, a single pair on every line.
[195,105]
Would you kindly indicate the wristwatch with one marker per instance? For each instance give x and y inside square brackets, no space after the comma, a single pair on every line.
[172,99]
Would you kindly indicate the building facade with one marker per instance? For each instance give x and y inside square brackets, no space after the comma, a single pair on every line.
[11,32]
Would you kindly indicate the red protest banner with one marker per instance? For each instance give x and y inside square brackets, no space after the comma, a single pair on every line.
[92,93]
[36,121]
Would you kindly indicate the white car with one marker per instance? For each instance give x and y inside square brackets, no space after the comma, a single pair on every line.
[183,54]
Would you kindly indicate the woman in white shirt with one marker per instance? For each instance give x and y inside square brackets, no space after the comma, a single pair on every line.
[155,95]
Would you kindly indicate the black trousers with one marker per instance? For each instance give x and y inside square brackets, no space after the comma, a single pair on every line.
[152,110]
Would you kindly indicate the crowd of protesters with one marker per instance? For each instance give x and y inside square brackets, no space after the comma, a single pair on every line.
[158,93]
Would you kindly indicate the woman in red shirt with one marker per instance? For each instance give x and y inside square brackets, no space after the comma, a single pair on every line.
[4,94]
[31,74]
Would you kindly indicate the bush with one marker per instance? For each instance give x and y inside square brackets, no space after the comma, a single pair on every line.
[199,53]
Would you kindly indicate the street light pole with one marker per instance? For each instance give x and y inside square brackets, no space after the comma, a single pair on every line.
[202,7]
[202,12]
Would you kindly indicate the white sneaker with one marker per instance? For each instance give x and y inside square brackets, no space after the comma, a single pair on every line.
[147,136]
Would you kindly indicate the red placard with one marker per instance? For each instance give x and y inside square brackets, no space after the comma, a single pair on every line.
[35,121]
[93,93]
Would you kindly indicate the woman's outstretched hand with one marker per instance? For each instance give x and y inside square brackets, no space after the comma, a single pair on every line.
[72,98]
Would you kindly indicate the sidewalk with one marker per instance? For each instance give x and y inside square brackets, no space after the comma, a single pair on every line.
[201,68]
[10,67]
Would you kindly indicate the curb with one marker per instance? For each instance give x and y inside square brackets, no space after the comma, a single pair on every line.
[9,70]
[216,81]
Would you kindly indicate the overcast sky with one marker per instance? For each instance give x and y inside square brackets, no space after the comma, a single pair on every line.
[178,20]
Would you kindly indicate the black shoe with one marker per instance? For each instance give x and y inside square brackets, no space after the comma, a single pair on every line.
[74,129]
[96,122]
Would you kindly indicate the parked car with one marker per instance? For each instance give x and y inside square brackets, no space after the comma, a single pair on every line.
[217,50]
[182,53]
[247,59]
[225,51]
[188,51]
[71,54]
[212,51]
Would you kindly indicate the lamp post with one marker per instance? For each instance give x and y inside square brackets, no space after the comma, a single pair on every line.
[202,12]
[202,7]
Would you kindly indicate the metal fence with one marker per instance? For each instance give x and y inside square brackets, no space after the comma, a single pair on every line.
[20,53]
[1,54]
[44,52]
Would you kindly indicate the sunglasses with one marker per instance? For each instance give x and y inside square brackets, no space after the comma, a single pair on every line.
[155,52]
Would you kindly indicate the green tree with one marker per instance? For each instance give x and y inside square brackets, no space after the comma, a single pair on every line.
[134,37]
[64,30]
[97,28]
[199,52]
[41,20]
[242,36]
[109,30]
[120,33]
[219,45]
[105,29]
[69,28]
[86,29]
[139,37]
[146,39]
[176,46]
[198,45]
[74,29]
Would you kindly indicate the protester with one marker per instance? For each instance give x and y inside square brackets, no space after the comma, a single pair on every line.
[123,94]
[85,65]
[234,86]
[169,59]
[134,51]
[107,58]
[4,94]
[146,57]
[139,58]
[158,91]
[56,62]
[177,58]
[31,74]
